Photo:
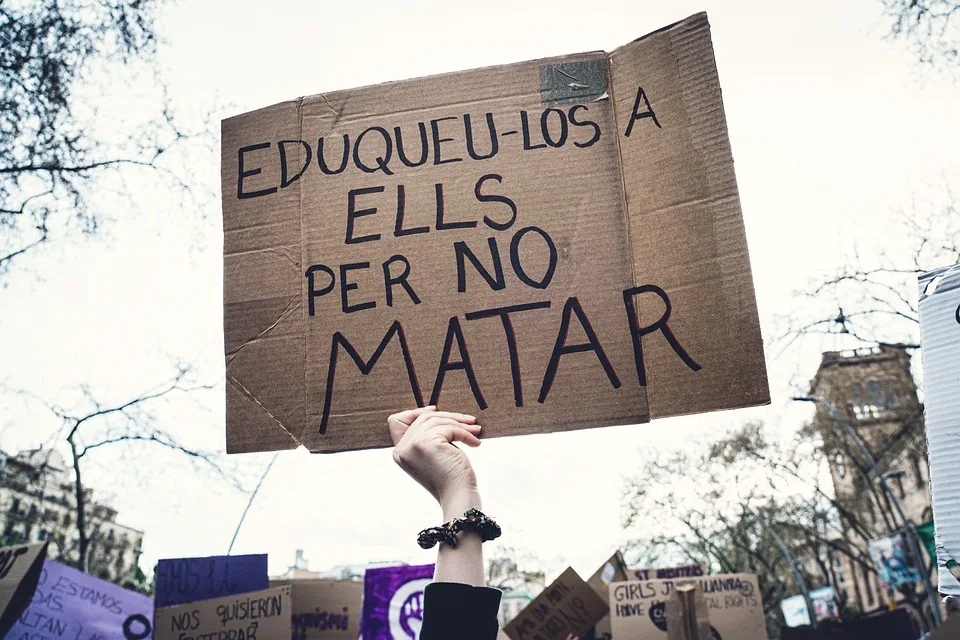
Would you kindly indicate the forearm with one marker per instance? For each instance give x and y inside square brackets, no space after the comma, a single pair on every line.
[457,606]
[463,563]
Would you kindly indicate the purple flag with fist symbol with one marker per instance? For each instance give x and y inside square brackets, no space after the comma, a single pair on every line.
[393,602]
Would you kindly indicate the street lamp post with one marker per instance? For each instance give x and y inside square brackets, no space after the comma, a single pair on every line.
[909,532]
[793,567]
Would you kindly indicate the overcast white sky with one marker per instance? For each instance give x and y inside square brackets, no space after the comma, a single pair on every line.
[831,127]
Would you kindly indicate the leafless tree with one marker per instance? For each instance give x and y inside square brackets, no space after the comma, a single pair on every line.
[92,425]
[508,569]
[872,298]
[717,506]
[61,158]
[932,27]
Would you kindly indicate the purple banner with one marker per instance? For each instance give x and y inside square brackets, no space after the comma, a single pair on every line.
[183,580]
[393,602]
[71,604]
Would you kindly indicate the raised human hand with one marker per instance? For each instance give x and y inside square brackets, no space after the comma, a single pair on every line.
[424,447]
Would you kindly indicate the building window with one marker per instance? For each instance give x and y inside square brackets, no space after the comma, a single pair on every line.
[873,399]
[43,535]
[840,464]
[15,505]
[869,585]
[917,469]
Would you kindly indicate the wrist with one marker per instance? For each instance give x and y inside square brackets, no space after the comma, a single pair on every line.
[458,501]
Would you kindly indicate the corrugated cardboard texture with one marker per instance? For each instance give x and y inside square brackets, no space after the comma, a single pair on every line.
[568,606]
[258,614]
[324,609]
[613,570]
[687,614]
[638,608]
[940,342]
[552,245]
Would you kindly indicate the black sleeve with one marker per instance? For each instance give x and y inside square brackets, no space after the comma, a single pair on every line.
[454,611]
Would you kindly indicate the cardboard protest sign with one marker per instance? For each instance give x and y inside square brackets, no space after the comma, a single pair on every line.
[940,341]
[519,242]
[638,608]
[613,570]
[324,609]
[72,604]
[246,616]
[182,580]
[568,606]
[687,615]
[393,602]
[20,569]
[694,570]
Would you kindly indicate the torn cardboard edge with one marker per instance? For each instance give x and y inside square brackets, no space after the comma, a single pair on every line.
[730,271]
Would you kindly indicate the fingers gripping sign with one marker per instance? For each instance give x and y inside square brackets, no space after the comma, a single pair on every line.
[425,448]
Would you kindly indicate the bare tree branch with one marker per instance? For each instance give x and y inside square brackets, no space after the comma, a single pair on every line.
[711,506]
[56,163]
[95,425]
[870,299]
[931,27]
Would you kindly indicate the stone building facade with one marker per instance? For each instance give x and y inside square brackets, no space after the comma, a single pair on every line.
[874,391]
[37,502]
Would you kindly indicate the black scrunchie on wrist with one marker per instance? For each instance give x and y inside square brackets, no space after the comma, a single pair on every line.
[447,533]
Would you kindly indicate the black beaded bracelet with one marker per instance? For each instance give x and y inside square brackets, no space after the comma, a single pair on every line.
[447,533]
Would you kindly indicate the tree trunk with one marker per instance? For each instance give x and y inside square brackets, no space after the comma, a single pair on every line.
[83,542]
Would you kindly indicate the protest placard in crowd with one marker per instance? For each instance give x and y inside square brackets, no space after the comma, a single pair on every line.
[324,609]
[20,569]
[940,338]
[638,608]
[519,242]
[247,616]
[692,570]
[393,602]
[795,611]
[71,604]
[895,564]
[567,606]
[181,580]
[613,570]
